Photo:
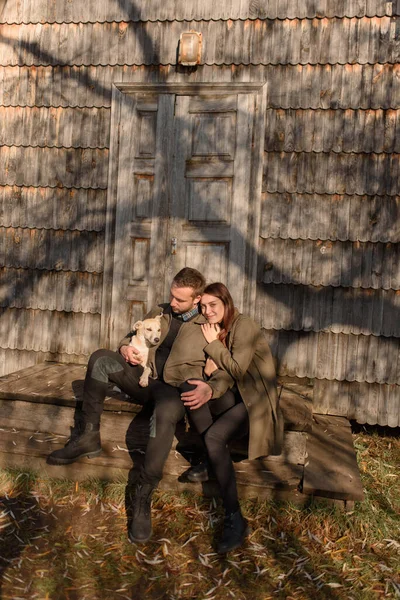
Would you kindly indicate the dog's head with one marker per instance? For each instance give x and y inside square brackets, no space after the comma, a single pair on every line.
[149,330]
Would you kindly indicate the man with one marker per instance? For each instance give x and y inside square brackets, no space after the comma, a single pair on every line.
[121,368]
[181,390]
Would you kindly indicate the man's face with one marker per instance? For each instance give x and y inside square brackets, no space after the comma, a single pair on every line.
[182,299]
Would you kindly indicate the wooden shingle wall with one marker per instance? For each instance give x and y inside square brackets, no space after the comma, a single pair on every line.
[328,256]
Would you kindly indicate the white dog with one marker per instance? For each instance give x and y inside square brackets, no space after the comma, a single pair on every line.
[148,334]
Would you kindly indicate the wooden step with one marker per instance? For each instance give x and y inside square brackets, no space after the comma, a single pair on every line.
[38,407]
[331,468]
[28,449]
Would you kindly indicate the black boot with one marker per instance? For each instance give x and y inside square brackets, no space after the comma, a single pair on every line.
[81,445]
[198,473]
[234,533]
[140,529]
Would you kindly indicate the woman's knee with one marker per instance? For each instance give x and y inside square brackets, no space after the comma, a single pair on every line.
[213,441]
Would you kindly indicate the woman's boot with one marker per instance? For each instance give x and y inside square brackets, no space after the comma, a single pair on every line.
[234,533]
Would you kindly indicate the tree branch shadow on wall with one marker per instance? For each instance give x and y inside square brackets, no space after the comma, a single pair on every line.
[59,255]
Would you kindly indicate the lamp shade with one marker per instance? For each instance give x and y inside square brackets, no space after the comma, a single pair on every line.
[190,48]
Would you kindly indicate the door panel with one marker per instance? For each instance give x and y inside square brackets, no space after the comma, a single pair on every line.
[141,208]
[210,190]
[183,196]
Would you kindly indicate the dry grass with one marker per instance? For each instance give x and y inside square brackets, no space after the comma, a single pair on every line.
[61,540]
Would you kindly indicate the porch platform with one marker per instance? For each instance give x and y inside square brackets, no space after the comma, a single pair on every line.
[38,406]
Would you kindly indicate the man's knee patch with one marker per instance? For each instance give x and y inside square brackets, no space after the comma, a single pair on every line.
[104,366]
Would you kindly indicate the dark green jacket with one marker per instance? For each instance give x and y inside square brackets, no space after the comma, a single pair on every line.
[248,360]
[187,358]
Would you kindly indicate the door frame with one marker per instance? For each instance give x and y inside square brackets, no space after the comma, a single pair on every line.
[121,93]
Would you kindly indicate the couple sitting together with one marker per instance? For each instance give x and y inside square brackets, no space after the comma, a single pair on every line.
[212,364]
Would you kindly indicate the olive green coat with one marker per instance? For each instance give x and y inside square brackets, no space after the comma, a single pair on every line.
[248,359]
[187,358]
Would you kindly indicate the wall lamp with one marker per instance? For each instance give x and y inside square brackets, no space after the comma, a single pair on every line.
[190,43]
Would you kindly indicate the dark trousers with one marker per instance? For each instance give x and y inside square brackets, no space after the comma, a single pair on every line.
[168,411]
[232,424]
[105,367]
[218,421]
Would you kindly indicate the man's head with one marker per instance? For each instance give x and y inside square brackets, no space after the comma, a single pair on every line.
[186,289]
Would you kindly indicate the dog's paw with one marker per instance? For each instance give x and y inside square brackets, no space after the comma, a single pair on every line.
[144,381]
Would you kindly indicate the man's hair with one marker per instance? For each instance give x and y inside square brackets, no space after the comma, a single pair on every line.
[188,277]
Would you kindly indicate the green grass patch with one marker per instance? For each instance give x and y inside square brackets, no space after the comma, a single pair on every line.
[64,540]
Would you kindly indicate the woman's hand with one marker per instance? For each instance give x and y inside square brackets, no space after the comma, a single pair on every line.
[210,331]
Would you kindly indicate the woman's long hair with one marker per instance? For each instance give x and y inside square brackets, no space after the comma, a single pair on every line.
[219,290]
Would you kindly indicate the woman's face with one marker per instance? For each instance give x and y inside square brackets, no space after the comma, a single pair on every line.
[212,308]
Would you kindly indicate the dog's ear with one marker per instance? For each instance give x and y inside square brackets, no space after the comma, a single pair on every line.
[137,325]
[159,317]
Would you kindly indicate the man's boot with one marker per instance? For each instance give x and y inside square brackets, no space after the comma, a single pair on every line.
[85,444]
[234,533]
[198,473]
[140,529]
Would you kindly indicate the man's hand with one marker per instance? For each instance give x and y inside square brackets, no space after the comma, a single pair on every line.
[210,331]
[197,397]
[131,355]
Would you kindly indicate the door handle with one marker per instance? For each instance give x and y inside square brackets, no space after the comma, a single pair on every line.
[174,243]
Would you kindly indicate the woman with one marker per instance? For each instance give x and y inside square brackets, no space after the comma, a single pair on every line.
[236,344]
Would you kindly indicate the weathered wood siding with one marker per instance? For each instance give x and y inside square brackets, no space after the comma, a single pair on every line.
[328,255]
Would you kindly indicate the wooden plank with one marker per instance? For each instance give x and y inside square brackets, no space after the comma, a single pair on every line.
[75,472]
[127,148]
[293,450]
[209,104]
[56,380]
[40,445]
[237,272]
[32,385]
[112,190]
[127,427]
[58,419]
[302,386]
[159,251]
[331,469]
[222,233]
[256,473]
[6,380]
[67,388]
[297,410]
[214,167]
[29,450]
[31,379]
[200,88]
[254,200]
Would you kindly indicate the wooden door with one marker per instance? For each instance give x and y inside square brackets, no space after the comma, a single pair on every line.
[188,189]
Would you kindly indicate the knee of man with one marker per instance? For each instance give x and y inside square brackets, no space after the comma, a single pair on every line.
[98,354]
[102,363]
[169,411]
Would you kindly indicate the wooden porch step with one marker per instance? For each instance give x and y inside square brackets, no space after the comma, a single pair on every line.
[37,408]
[331,468]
